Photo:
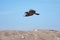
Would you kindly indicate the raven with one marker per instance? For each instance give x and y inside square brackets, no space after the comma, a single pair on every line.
[31,12]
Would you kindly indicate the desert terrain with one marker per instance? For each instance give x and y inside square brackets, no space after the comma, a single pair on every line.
[29,35]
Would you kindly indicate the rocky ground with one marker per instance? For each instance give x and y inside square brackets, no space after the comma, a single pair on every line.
[29,35]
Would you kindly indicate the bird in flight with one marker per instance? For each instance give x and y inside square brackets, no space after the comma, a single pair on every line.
[31,12]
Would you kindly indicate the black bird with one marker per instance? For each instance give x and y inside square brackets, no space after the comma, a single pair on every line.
[31,12]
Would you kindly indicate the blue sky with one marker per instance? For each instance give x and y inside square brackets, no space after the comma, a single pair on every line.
[12,14]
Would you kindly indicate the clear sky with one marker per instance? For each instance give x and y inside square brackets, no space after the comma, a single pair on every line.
[12,14]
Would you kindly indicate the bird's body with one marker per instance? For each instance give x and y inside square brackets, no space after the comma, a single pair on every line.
[31,12]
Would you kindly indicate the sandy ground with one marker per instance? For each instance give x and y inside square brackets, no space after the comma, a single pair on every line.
[29,35]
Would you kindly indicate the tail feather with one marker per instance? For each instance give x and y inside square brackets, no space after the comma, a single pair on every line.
[36,13]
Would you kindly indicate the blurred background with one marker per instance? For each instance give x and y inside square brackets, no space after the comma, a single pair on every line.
[12,14]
